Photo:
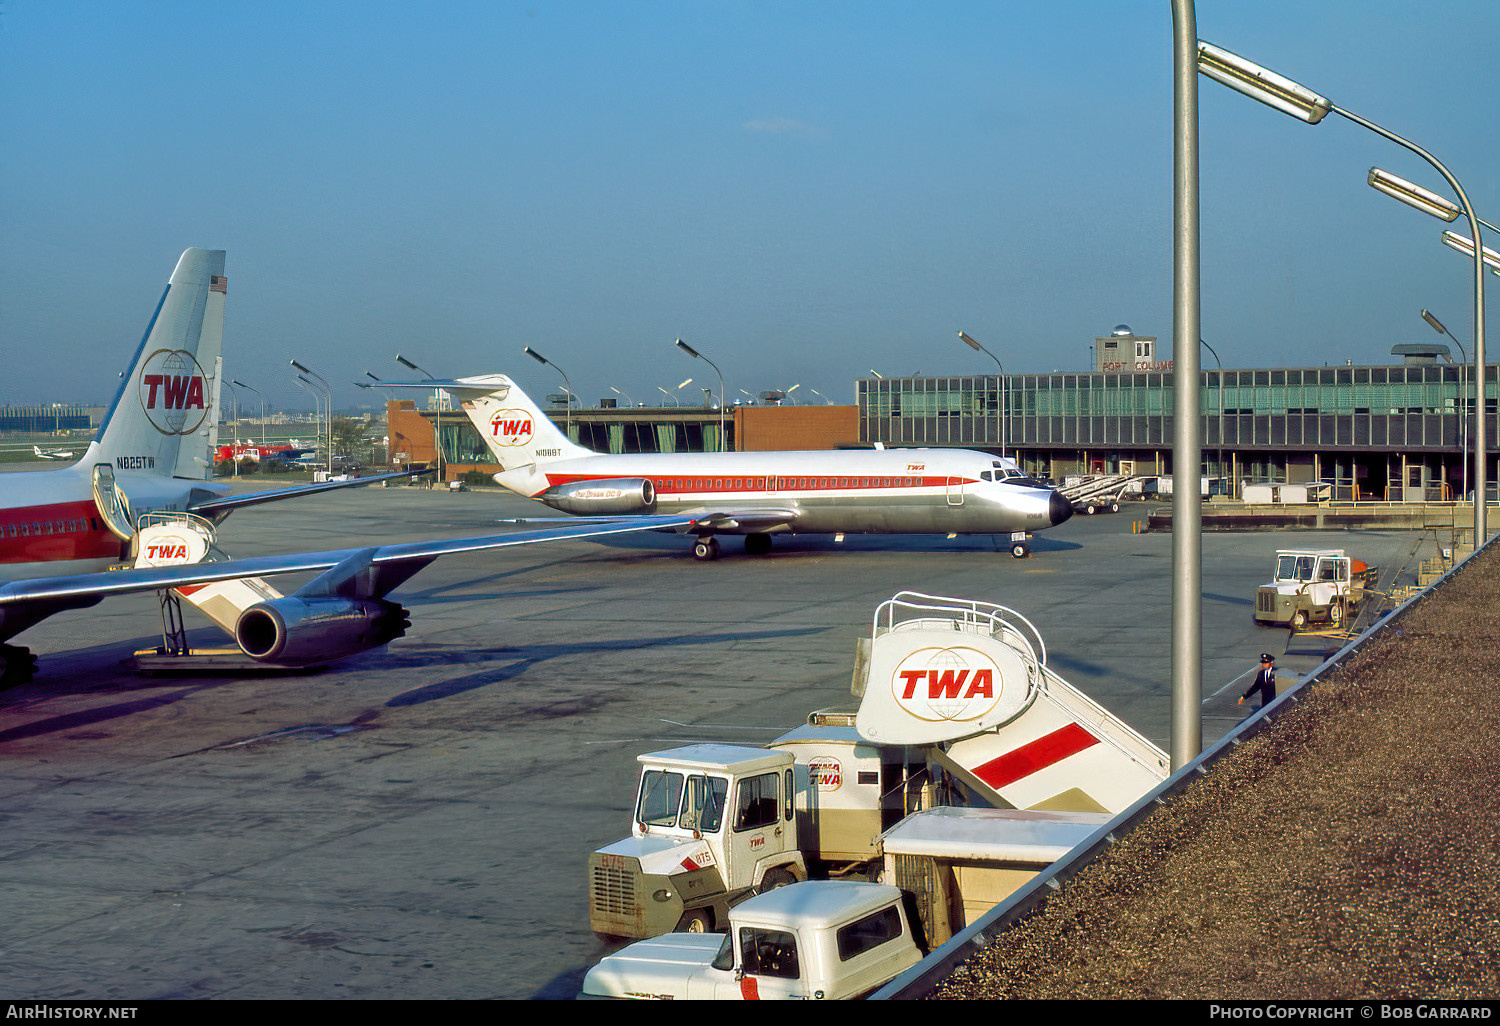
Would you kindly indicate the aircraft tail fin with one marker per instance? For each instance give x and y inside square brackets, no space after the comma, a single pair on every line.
[516,430]
[163,415]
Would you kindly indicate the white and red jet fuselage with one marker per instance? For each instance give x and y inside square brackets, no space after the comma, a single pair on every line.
[853,491]
[757,494]
[50,524]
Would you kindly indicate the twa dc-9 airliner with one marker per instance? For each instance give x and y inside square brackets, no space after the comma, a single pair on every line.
[757,494]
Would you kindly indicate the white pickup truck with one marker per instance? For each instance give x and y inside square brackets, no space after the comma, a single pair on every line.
[819,940]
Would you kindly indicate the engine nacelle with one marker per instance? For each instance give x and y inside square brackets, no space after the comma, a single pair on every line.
[292,631]
[617,496]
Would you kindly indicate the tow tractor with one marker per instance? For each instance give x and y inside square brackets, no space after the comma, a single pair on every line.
[969,766]
[1313,586]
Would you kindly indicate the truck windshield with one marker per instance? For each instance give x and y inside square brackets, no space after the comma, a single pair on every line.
[703,804]
[661,793]
[694,803]
[1294,568]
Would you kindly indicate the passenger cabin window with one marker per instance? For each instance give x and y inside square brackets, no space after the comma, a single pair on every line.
[769,953]
[868,933]
[757,805]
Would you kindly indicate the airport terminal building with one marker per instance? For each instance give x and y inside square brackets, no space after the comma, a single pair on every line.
[1396,432]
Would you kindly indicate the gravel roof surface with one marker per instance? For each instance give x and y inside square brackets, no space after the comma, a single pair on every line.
[1349,850]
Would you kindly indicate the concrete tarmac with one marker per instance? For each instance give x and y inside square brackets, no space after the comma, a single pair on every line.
[415,822]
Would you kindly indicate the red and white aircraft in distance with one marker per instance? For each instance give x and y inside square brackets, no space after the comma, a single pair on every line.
[757,494]
[252,453]
[148,474]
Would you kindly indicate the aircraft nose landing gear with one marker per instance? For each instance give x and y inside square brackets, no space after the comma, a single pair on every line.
[706,549]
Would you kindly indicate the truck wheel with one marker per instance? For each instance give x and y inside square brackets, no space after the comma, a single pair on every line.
[1299,619]
[698,920]
[775,878]
[1336,612]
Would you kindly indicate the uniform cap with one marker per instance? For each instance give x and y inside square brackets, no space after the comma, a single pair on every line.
[1266,657]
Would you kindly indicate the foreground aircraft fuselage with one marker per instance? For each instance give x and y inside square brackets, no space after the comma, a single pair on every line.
[143,491]
[757,494]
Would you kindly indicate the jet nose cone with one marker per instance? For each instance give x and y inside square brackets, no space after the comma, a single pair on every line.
[1059,508]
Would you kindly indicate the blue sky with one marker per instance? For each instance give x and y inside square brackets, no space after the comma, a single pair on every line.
[802,191]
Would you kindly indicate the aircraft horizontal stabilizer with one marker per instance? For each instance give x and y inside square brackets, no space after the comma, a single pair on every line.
[221,507]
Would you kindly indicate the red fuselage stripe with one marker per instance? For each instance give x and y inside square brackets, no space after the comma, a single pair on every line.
[1035,755]
[694,485]
[54,533]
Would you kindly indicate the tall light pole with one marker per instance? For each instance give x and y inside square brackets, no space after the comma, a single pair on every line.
[257,391]
[628,401]
[789,393]
[966,340]
[680,344]
[1187,431]
[234,457]
[437,426]
[567,387]
[308,386]
[1463,397]
[1300,102]
[328,395]
[670,395]
[1220,404]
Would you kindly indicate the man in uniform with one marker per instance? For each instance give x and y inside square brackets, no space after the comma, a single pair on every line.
[1265,682]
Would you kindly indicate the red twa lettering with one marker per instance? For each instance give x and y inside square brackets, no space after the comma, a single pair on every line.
[181,392]
[178,393]
[945,684]
[511,428]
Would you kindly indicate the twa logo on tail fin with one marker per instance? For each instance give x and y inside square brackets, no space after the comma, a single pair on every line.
[162,416]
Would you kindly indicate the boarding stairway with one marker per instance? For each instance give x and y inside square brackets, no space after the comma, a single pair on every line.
[1097,491]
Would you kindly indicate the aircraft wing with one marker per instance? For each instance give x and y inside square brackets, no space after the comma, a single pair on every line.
[763,518]
[221,507]
[755,518]
[366,573]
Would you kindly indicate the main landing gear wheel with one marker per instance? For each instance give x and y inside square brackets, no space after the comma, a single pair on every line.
[1020,550]
[757,544]
[706,549]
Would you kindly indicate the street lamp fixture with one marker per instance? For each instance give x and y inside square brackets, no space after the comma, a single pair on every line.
[1412,195]
[1261,84]
[966,340]
[1285,95]
[680,344]
[437,427]
[1463,396]
[257,391]
[567,387]
[328,396]
[1453,240]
